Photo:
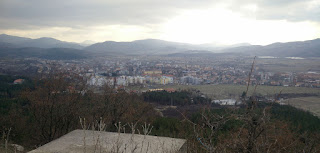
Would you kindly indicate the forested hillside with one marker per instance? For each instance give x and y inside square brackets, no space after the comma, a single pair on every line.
[40,111]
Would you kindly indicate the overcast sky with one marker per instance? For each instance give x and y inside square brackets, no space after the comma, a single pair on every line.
[191,21]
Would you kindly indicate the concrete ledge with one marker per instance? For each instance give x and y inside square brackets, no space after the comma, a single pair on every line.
[94,141]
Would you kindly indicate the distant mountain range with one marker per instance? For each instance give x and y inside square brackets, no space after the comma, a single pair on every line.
[43,42]
[147,46]
[12,45]
[309,48]
[154,46]
[44,53]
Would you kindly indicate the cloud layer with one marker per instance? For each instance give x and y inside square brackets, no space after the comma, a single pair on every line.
[112,19]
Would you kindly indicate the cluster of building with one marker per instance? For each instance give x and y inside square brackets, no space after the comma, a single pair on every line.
[128,71]
[99,80]
[308,79]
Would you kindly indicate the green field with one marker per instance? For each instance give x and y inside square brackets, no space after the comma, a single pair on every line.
[311,104]
[289,65]
[223,91]
[233,91]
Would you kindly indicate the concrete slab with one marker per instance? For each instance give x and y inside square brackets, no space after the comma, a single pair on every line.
[106,142]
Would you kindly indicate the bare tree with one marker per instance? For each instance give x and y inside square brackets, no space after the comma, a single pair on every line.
[54,106]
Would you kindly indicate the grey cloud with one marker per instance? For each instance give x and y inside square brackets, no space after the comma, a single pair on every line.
[22,14]
[291,10]
[279,3]
[81,12]
[296,10]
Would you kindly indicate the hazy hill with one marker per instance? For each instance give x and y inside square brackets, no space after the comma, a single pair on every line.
[12,39]
[45,53]
[147,46]
[87,43]
[152,46]
[49,43]
[44,42]
[309,48]
[218,47]
[7,45]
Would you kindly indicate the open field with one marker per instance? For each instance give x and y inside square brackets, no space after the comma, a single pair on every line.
[224,91]
[311,104]
[289,65]
[221,91]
